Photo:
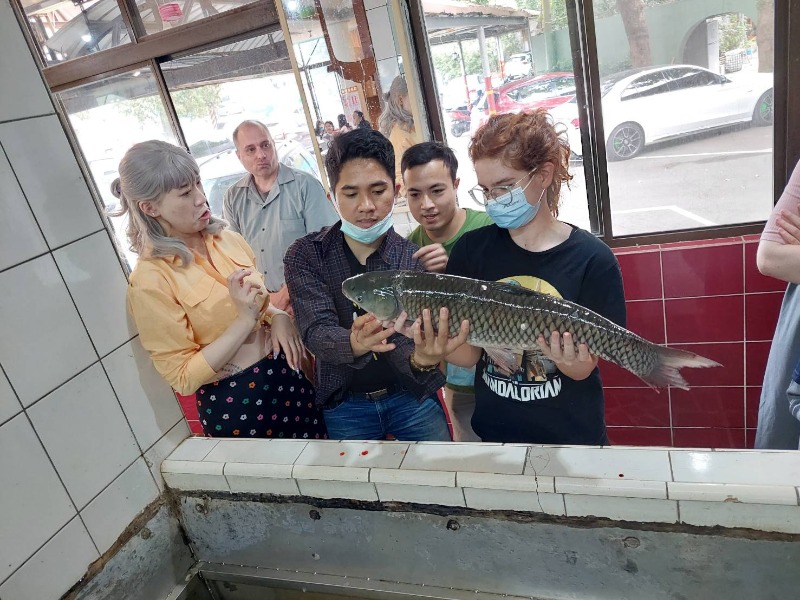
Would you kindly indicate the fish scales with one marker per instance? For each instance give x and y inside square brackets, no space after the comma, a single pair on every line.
[507,316]
[510,317]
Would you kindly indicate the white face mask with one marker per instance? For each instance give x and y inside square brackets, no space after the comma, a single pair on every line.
[370,234]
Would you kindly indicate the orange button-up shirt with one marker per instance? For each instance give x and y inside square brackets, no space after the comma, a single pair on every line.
[179,309]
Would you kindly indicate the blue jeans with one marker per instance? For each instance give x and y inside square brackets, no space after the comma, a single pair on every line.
[399,414]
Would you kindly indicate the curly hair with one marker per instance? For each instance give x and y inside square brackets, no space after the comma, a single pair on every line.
[524,141]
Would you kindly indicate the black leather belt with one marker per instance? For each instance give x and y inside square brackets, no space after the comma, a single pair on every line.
[378,394]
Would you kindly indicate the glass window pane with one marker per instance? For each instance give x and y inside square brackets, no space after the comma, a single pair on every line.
[687,114]
[215,90]
[66,30]
[108,117]
[160,15]
[530,66]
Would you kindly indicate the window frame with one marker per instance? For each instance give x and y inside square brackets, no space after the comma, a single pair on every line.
[581,25]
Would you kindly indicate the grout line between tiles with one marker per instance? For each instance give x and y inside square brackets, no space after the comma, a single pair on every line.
[119,403]
[109,353]
[59,386]
[178,422]
[18,119]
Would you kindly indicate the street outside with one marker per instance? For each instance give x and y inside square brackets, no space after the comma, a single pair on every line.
[717,178]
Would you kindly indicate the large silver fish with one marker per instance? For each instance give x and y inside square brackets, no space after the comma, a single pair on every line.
[507,319]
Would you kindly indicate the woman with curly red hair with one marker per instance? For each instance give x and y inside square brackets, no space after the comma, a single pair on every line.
[521,162]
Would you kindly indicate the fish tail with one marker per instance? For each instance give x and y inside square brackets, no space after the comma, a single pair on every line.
[669,362]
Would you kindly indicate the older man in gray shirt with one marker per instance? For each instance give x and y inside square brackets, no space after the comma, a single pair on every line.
[273,205]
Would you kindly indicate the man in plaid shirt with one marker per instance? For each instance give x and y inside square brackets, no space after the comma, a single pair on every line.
[367,380]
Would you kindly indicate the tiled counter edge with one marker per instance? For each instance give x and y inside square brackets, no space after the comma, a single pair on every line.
[757,490]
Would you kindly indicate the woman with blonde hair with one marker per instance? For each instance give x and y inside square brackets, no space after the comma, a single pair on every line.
[201,308]
[521,162]
[397,123]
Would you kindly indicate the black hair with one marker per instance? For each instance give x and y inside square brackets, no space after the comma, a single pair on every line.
[331,122]
[358,144]
[342,121]
[422,154]
[359,113]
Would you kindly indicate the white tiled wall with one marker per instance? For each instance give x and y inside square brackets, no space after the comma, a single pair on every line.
[84,420]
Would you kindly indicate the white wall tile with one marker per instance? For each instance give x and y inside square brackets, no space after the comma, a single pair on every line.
[475,458]
[85,433]
[420,494]
[388,69]
[412,477]
[629,488]
[33,503]
[353,454]
[498,481]
[24,94]
[43,342]
[338,489]
[261,479]
[483,499]
[380,30]
[195,476]
[368,4]
[148,401]
[724,492]
[604,463]
[194,448]
[325,473]
[163,448]
[762,517]
[94,277]
[20,237]
[49,175]
[758,468]
[276,452]
[108,515]
[639,510]
[9,404]
[55,568]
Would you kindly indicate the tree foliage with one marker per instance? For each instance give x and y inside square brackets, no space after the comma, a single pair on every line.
[194,103]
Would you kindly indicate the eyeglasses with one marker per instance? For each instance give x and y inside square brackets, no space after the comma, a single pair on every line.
[483,197]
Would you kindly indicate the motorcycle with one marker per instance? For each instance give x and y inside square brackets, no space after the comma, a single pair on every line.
[460,120]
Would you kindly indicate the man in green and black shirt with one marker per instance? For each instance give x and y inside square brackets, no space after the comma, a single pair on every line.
[429,174]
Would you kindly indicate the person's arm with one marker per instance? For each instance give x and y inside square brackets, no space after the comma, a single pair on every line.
[318,211]
[227,210]
[778,255]
[782,259]
[167,335]
[315,310]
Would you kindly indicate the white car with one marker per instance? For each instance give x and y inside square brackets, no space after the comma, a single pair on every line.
[647,105]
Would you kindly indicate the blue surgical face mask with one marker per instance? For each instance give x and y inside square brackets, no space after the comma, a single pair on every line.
[370,234]
[512,210]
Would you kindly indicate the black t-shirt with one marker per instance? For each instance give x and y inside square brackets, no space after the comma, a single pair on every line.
[376,374]
[525,408]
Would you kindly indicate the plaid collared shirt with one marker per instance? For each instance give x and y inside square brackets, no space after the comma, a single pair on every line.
[315,267]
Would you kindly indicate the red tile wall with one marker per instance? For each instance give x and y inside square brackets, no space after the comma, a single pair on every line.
[706,297]
[709,298]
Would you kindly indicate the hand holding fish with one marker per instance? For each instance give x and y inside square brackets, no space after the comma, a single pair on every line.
[573,361]
[433,258]
[368,335]
[432,345]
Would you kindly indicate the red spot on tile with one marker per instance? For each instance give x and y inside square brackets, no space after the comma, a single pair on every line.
[341,453]
[364,452]
[621,475]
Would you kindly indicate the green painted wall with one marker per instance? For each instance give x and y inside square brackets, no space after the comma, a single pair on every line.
[670,26]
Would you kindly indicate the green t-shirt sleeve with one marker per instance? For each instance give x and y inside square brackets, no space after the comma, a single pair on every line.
[477,219]
[416,236]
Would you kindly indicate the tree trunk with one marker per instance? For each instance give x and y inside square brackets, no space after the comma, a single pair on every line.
[632,13]
[765,36]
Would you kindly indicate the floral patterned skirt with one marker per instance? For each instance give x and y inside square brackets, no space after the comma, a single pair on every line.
[268,400]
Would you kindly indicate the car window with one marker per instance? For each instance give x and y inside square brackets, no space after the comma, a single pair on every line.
[686,78]
[526,91]
[646,85]
[565,86]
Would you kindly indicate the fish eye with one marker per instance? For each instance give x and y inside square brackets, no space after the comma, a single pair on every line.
[359,298]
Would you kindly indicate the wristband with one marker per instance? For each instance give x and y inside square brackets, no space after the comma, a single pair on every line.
[421,368]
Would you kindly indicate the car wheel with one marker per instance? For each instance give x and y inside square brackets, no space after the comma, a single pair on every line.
[625,142]
[763,113]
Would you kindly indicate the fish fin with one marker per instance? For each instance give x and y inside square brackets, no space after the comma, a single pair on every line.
[668,364]
[504,359]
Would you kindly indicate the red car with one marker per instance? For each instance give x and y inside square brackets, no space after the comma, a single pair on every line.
[541,91]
